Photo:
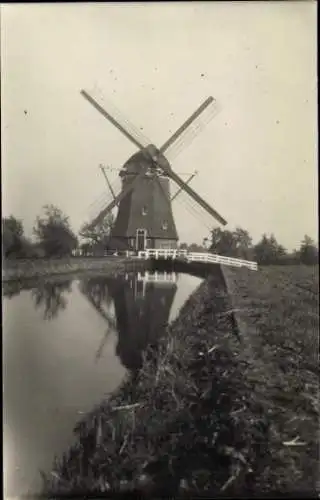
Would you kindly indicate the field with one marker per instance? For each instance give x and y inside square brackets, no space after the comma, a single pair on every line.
[225,404]
[277,311]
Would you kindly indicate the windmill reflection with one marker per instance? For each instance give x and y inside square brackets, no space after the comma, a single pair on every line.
[141,306]
[51,297]
[96,292]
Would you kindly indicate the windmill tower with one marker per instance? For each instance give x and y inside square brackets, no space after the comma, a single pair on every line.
[145,218]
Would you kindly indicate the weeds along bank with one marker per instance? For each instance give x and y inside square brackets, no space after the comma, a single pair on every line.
[189,420]
[21,269]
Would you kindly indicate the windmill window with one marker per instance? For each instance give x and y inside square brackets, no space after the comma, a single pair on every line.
[144,211]
[164,226]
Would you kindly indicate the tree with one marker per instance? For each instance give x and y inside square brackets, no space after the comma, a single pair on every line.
[223,242]
[100,234]
[205,242]
[308,252]
[194,247]
[54,233]
[8,240]
[13,225]
[183,246]
[268,250]
[13,242]
[243,243]
[236,243]
[289,259]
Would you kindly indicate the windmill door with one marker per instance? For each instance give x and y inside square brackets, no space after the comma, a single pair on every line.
[141,236]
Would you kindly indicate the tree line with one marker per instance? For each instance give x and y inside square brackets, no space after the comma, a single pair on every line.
[55,238]
[266,251]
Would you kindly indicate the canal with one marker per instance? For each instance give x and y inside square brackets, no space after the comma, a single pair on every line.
[67,344]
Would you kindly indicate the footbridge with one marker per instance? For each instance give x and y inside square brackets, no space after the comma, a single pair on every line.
[201,257]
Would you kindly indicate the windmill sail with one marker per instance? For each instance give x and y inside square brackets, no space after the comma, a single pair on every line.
[118,121]
[192,131]
[180,188]
[185,125]
[195,196]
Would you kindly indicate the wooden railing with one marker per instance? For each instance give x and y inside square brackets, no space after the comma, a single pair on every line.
[162,277]
[220,259]
[162,253]
[210,258]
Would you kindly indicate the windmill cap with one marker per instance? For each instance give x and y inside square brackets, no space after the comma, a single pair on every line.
[153,151]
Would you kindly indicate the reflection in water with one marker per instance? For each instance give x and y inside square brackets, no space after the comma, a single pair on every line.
[96,291]
[11,289]
[51,297]
[142,304]
[50,377]
[50,372]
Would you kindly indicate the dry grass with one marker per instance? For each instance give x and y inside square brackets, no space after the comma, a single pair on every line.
[211,412]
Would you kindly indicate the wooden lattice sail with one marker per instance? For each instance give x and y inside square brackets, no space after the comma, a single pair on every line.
[145,218]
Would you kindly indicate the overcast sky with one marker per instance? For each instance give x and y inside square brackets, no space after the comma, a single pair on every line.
[156,62]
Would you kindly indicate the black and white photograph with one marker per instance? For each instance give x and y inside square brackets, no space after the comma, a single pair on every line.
[160,280]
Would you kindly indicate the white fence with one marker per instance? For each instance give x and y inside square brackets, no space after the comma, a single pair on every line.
[210,258]
[220,259]
[157,277]
[162,253]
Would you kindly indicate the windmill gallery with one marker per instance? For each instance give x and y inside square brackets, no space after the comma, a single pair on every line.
[145,218]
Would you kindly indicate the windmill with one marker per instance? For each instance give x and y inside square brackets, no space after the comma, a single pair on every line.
[145,217]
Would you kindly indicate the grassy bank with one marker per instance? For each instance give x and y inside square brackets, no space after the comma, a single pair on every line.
[28,268]
[277,310]
[213,411]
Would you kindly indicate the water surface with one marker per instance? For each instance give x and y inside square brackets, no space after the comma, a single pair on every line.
[66,345]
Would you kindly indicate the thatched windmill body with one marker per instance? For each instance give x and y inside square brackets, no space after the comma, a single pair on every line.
[145,218]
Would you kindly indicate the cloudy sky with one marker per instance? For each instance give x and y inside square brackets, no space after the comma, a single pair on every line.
[156,63]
